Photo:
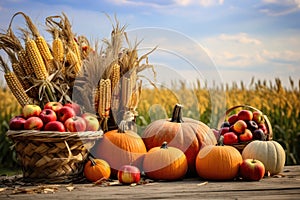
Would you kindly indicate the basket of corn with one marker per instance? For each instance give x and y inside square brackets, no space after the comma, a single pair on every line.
[103,80]
[242,124]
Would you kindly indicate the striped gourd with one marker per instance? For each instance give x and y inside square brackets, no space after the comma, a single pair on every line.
[45,53]
[36,60]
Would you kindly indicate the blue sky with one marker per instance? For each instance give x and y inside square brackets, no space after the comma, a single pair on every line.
[235,39]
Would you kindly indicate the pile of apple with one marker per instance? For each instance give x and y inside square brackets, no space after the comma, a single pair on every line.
[244,126]
[55,116]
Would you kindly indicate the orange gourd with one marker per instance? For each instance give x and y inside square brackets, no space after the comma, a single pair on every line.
[186,134]
[96,169]
[165,163]
[121,147]
[218,162]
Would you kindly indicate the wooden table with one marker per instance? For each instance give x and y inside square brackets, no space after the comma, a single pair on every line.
[283,186]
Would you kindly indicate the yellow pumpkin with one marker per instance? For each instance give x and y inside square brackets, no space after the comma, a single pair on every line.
[165,163]
[270,153]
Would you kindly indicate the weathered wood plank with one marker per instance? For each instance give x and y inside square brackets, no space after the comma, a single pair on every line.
[285,187]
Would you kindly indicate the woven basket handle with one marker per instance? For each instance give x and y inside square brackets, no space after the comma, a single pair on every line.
[267,121]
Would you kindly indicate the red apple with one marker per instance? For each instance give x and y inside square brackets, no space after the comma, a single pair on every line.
[239,126]
[89,114]
[224,130]
[92,123]
[53,105]
[75,124]
[252,170]
[65,113]
[246,136]
[31,110]
[258,117]
[48,115]
[33,123]
[245,115]
[17,123]
[75,106]
[128,174]
[55,126]
[232,119]
[263,127]
[230,138]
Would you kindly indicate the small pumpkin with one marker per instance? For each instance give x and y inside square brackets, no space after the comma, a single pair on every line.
[218,162]
[165,163]
[270,153]
[96,169]
[121,147]
[186,134]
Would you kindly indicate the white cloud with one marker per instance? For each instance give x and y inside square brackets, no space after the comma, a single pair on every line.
[240,38]
[168,3]
[282,7]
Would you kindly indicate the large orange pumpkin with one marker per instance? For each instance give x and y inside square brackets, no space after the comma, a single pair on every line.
[187,134]
[165,163]
[121,147]
[218,162]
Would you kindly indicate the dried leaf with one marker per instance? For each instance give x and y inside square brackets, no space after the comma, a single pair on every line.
[70,188]
[201,184]
[2,189]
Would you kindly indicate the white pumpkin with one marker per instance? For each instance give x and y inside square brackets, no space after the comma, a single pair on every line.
[270,153]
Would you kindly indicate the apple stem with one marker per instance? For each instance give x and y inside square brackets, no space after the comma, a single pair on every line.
[164,145]
[177,114]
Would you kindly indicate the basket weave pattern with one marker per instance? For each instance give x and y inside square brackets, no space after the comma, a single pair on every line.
[52,156]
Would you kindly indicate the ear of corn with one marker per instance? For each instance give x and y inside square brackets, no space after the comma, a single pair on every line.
[72,59]
[58,49]
[36,60]
[45,53]
[16,88]
[75,48]
[25,62]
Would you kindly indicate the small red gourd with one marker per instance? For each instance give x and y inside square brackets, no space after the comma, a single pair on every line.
[165,163]
[186,134]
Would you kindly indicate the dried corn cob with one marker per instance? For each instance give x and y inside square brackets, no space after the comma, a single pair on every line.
[58,49]
[115,78]
[75,48]
[45,53]
[36,60]
[115,86]
[72,59]
[25,62]
[16,88]
[14,84]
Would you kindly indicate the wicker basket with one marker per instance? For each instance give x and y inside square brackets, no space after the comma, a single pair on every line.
[241,145]
[53,157]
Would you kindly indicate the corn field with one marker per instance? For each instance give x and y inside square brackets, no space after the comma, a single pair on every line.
[281,105]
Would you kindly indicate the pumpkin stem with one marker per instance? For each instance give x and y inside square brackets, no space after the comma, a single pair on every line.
[177,114]
[221,141]
[93,163]
[122,126]
[164,145]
